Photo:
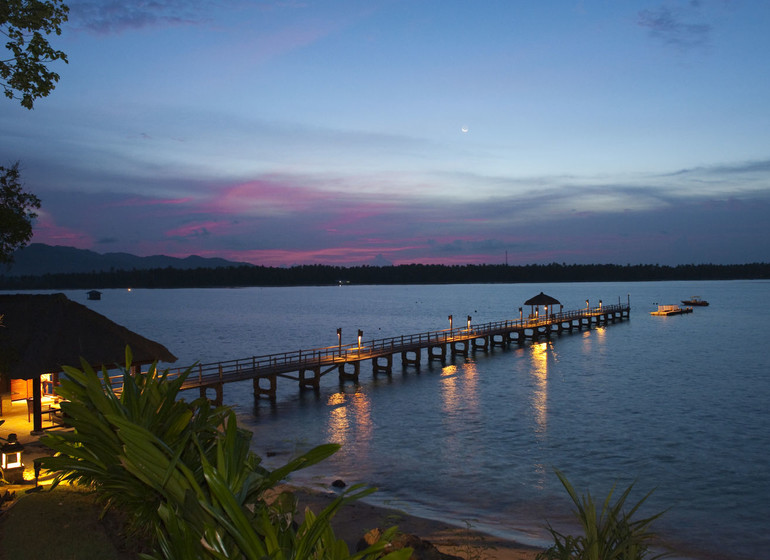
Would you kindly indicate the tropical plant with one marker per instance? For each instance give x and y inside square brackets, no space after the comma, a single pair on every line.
[607,534]
[184,472]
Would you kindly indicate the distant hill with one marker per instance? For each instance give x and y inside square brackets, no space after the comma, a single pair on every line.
[38,259]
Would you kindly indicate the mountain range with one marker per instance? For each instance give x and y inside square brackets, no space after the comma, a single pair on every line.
[38,259]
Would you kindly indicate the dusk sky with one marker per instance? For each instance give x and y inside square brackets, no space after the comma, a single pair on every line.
[415,131]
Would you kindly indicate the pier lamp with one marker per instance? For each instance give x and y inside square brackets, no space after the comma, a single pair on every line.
[546,312]
[339,339]
[600,305]
[586,304]
[521,314]
[10,460]
[469,322]
[450,322]
[360,335]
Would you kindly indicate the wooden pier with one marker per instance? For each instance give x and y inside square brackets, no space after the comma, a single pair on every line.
[307,367]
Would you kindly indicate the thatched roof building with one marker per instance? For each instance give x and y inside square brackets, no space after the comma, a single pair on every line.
[41,333]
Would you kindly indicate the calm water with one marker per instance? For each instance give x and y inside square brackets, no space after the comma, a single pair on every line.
[674,403]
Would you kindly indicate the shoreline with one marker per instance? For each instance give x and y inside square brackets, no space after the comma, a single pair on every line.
[355,519]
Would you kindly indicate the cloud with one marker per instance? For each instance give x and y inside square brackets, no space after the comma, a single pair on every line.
[670,26]
[116,16]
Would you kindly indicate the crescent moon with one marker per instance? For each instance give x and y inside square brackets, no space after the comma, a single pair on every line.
[464,129]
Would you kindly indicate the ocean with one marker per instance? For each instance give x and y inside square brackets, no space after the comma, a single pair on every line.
[678,405]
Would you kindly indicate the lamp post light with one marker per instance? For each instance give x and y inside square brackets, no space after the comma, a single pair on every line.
[469,322]
[339,340]
[450,323]
[521,314]
[10,460]
[600,305]
[586,304]
[360,335]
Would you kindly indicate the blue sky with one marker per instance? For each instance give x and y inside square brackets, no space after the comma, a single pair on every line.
[361,132]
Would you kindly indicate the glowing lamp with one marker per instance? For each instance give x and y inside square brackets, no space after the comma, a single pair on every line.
[10,460]
[450,322]
[360,334]
[469,322]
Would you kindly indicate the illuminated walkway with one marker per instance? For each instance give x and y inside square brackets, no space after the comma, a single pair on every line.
[308,366]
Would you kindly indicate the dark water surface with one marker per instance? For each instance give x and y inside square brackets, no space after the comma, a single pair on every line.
[677,403]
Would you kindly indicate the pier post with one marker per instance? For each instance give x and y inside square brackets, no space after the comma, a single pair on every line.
[349,375]
[483,345]
[313,382]
[407,361]
[269,391]
[461,351]
[380,368]
[218,399]
[440,355]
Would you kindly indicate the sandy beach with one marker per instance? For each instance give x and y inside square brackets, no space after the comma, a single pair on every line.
[353,520]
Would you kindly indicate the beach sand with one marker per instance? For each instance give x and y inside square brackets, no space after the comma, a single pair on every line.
[355,519]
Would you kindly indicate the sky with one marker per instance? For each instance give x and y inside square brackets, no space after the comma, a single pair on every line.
[379,132]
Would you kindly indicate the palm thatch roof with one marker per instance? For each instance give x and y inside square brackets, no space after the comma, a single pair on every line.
[542,299]
[41,333]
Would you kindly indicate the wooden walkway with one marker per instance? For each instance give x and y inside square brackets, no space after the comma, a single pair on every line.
[307,367]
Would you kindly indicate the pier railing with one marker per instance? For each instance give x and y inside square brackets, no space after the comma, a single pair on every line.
[285,362]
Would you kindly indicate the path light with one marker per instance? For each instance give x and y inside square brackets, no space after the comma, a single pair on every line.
[469,322]
[339,339]
[600,305]
[521,314]
[10,460]
[450,322]
[360,335]
[586,304]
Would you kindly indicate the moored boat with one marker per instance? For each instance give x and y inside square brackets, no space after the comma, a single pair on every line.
[666,310]
[695,300]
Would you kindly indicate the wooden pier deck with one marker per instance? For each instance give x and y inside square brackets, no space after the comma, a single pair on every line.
[307,367]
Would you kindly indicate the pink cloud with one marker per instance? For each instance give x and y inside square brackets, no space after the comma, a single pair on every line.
[47,231]
[198,229]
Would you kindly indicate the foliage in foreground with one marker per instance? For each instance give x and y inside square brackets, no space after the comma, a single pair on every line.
[16,213]
[184,472]
[608,534]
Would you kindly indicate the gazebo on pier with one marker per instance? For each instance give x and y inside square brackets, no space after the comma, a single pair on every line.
[40,334]
[541,299]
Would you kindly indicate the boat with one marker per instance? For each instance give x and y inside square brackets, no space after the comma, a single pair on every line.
[695,300]
[667,310]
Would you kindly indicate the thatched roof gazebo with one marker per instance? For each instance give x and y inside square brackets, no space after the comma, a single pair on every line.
[541,299]
[41,333]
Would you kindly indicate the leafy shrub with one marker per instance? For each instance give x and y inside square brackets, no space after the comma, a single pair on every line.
[185,474]
[608,534]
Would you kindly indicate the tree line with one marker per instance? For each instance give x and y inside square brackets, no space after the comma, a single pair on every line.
[318,275]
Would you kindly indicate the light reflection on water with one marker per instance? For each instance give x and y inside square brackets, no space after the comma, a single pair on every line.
[675,403]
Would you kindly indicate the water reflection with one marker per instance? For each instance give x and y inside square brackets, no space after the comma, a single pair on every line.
[449,391]
[539,370]
[350,419]
[459,389]
[539,357]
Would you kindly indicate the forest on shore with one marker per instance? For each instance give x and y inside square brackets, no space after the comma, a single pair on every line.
[319,275]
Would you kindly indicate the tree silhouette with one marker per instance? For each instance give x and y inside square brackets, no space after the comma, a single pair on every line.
[26,23]
[16,213]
